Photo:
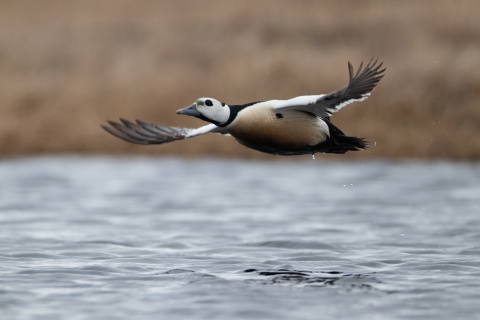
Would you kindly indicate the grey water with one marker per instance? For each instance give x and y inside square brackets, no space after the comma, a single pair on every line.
[153,238]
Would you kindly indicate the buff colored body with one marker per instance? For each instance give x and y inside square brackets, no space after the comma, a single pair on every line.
[263,128]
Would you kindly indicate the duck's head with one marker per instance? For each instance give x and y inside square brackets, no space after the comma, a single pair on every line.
[208,109]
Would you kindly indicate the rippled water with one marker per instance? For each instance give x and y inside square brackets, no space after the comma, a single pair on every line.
[135,238]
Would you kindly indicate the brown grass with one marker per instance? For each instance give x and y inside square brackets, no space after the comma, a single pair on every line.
[67,66]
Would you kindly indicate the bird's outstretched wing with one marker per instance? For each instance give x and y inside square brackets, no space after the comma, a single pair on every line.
[151,133]
[359,88]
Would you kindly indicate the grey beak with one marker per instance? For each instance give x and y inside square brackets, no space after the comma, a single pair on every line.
[191,110]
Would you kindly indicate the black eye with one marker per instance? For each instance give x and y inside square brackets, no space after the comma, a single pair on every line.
[209,103]
[223,104]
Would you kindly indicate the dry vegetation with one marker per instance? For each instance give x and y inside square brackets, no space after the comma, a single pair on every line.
[66,66]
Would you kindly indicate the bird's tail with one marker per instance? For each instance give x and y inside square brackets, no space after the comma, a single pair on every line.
[340,143]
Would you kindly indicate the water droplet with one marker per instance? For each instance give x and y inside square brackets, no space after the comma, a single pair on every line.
[313,156]
[402,234]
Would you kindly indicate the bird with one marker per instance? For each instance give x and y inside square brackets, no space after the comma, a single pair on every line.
[296,126]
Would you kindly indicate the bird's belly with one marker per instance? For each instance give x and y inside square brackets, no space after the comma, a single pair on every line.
[285,131]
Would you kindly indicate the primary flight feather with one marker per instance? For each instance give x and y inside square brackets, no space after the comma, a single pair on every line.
[280,127]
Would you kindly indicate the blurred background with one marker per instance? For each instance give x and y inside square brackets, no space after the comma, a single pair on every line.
[68,66]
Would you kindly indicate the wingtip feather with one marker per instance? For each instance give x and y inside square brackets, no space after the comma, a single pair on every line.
[350,70]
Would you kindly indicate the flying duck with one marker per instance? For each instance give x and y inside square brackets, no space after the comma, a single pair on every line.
[279,127]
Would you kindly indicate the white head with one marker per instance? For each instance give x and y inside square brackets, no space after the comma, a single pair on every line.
[208,109]
[213,109]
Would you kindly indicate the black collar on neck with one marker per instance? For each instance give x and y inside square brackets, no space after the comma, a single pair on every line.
[202,117]
[234,110]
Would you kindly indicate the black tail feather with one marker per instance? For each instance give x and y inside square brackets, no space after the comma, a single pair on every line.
[339,143]
[342,144]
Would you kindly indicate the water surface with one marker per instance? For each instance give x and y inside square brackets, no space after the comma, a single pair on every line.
[148,238]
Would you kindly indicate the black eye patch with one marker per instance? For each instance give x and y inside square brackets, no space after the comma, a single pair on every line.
[209,103]
[223,104]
